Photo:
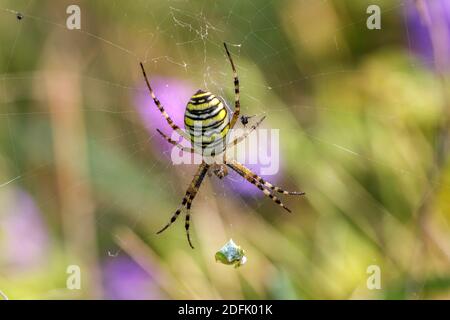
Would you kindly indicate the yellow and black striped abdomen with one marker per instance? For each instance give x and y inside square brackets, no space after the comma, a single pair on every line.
[207,121]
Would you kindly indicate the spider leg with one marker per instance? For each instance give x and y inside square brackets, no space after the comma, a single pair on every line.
[188,219]
[245,135]
[187,200]
[266,184]
[195,185]
[248,175]
[176,144]
[175,215]
[161,108]
[237,102]
[278,189]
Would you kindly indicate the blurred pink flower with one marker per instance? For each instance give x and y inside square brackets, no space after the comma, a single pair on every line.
[25,239]
[239,185]
[124,279]
[174,95]
[438,12]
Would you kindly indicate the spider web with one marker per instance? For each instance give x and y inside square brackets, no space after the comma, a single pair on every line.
[191,37]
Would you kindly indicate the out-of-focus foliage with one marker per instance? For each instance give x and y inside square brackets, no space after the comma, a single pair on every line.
[85,180]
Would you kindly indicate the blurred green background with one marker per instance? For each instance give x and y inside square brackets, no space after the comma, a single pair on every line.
[362,115]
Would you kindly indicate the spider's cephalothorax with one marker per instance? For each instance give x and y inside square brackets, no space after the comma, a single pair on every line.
[208,125]
[207,122]
[220,170]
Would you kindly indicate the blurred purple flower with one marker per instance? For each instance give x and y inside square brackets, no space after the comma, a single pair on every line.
[24,233]
[437,12]
[174,95]
[239,185]
[124,279]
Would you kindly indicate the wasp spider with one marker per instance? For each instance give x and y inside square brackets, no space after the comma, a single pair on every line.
[208,125]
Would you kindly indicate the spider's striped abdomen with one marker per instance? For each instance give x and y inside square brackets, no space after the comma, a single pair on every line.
[206,120]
